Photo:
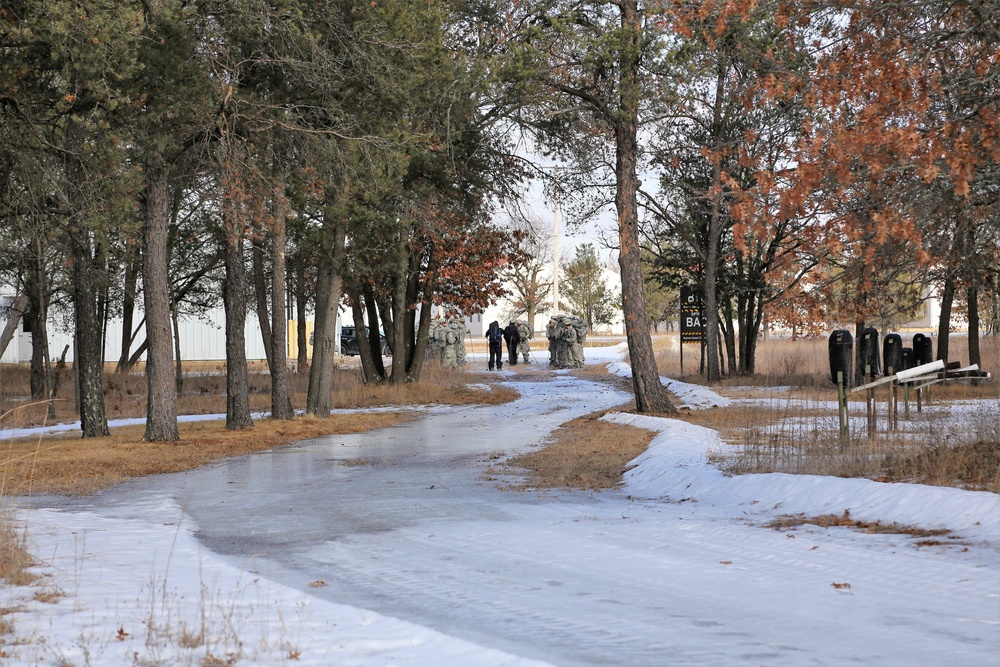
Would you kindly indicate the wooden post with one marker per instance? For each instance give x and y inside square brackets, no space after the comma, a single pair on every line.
[842,407]
[870,407]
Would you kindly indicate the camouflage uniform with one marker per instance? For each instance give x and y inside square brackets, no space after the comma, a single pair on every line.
[446,342]
[566,335]
[523,347]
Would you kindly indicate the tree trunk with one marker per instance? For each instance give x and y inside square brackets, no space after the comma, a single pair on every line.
[234,302]
[89,348]
[714,235]
[260,294]
[859,376]
[281,401]
[38,370]
[324,285]
[398,302]
[420,346]
[944,324]
[360,330]
[650,395]
[416,364]
[301,337]
[325,338]
[161,401]
[972,303]
[371,361]
[728,344]
[129,291]
[16,313]
[374,338]
[178,364]
[994,324]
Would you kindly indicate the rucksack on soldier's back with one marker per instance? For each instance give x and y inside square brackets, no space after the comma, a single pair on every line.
[495,335]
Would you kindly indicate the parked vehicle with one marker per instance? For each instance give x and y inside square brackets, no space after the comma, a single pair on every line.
[349,343]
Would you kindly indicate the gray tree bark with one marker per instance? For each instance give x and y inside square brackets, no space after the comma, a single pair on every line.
[281,401]
[89,340]
[161,400]
[650,395]
[325,339]
[234,303]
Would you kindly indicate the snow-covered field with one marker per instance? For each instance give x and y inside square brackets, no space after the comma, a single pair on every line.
[418,556]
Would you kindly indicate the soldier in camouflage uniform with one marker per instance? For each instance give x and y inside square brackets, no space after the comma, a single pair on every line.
[550,334]
[566,335]
[522,346]
[446,342]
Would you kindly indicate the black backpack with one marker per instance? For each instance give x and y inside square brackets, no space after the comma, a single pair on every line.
[496,335]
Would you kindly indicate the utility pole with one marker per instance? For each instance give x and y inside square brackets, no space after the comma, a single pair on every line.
[555,246]
[555,259]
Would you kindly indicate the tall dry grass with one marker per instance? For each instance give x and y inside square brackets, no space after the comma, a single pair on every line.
[802,363]
[797,431]
[204,392]
[954,441]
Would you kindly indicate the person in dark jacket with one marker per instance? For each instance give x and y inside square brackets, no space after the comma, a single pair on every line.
[494,335]
[513,337]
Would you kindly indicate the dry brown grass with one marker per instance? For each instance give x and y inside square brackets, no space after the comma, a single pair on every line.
[801,438]
[69,465]
[14,558]
[73,466]
[804,363]
[845,520]
[125,395]
[584,453]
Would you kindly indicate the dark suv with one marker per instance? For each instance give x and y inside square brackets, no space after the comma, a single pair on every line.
[349,343]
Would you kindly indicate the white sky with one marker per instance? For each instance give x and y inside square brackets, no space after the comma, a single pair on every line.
[675,568]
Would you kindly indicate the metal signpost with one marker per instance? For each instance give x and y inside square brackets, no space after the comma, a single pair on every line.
[692,320]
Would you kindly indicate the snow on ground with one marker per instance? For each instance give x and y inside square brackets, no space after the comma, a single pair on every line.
[692,396]
[674,569]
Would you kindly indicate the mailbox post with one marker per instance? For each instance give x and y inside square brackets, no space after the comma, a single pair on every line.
[923,353]
[841,362]
[908,363]
[892,358]
[869,354]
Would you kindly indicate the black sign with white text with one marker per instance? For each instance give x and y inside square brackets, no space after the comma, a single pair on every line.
[692,317]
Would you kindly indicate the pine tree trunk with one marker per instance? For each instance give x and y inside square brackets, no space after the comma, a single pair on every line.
[89,341]
[301,337]
[38,373]
[944,324]
[260,293]
[373,308]
[324,285]
[129,292]
[325,339]
[178,363]
[650,395]
[161,401]
[972,303]
[281,401]
[234,302]
[397,332]
[13,320]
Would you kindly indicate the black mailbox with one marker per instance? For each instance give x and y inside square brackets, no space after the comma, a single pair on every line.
[868,352]
[892,353]
[923,350]
[841,355]
[908,359]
